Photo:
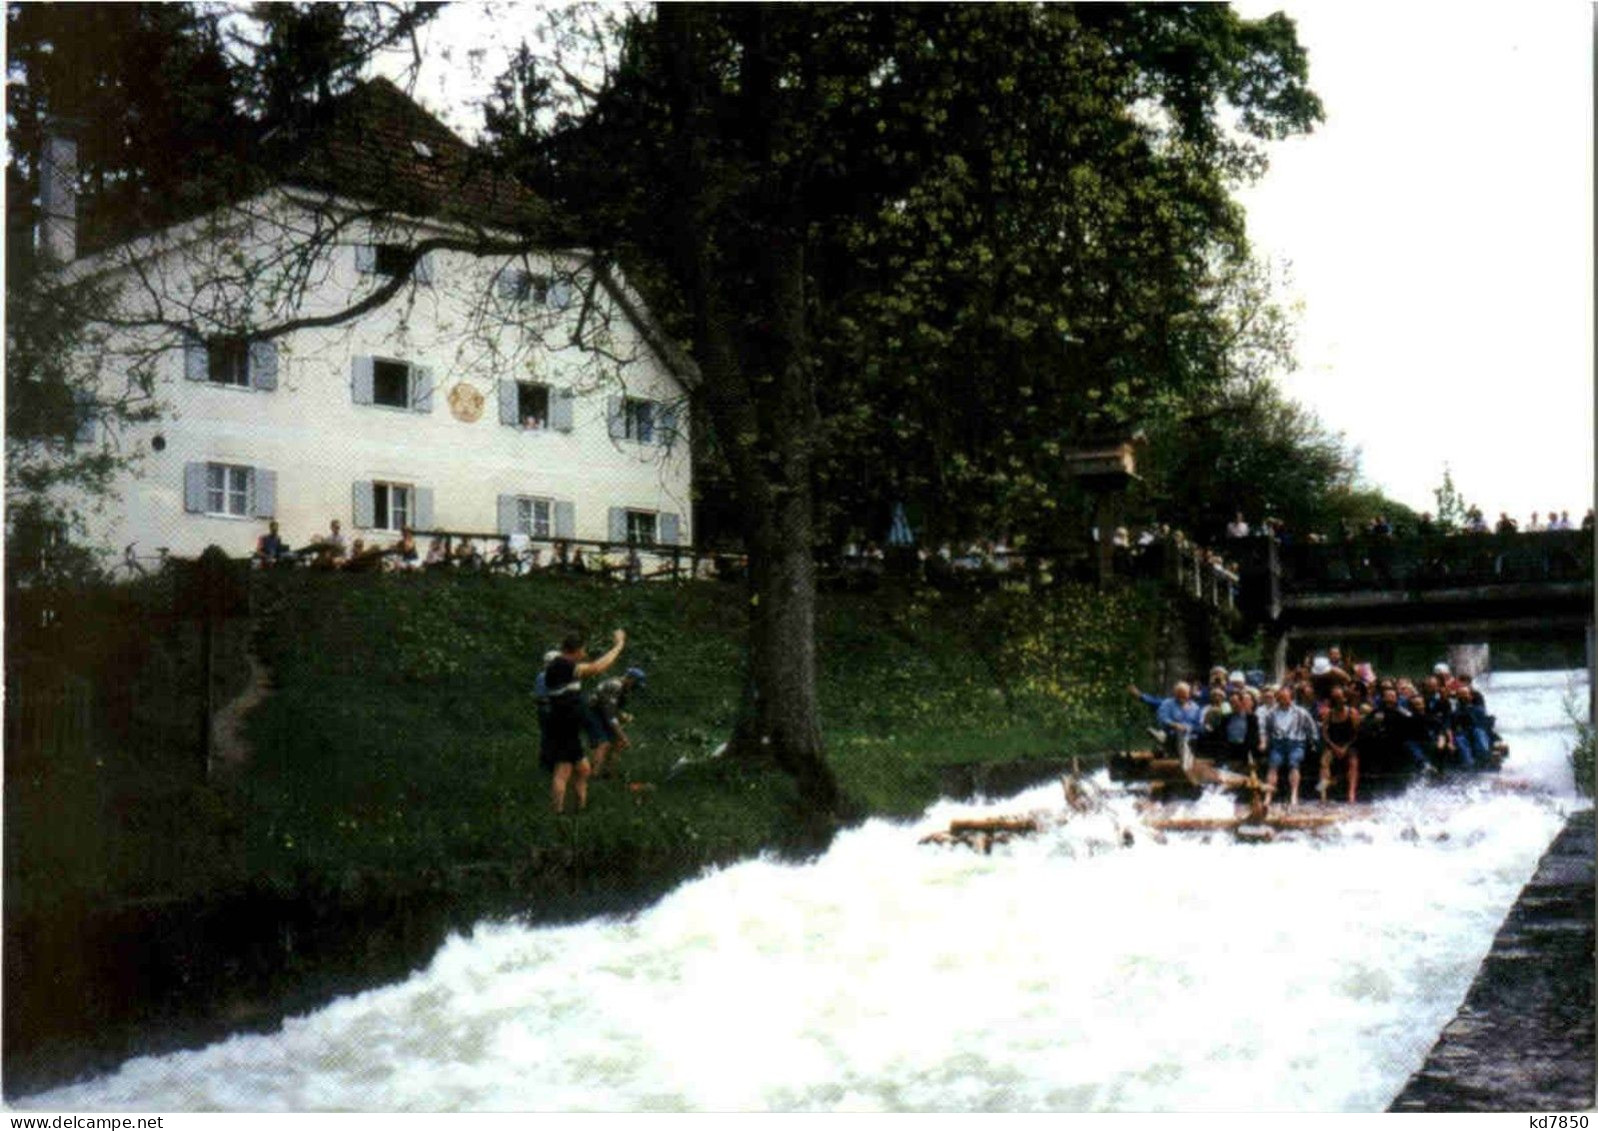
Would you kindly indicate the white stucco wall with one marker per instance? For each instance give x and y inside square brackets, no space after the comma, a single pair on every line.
[310,432]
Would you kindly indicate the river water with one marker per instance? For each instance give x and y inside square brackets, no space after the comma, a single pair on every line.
[1063,972]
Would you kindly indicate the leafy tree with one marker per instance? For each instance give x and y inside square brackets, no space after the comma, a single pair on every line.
[877,229]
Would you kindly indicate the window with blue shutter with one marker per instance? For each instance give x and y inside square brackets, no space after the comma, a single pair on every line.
[509,395]
[424,270]
[361,379]
[366,258]
[565,519]
[87,415]
[613,418]
[666,430]
[423,519]
[670,530]
[616,528]
[196,361]
[194,480]
[421,389]
[263,365]
[505,512]
[361,498]
[223,489]
[561,410]
[265,492]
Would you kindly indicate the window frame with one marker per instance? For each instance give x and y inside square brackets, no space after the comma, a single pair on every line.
[230,355]
[637,411]
[406,375]
[390,252]
[527,508]
[237,485]
[384,509]
[635,519]
[523,388]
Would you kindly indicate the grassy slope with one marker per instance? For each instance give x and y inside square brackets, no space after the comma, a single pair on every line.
[402,734]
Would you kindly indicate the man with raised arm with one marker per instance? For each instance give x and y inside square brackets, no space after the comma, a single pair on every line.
[562,747]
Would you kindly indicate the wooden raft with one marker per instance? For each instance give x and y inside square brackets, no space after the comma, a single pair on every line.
[982,833]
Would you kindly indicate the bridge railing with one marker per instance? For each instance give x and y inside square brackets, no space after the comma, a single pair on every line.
[1272,570]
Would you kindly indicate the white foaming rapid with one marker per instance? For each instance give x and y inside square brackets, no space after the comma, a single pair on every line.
[1062,972]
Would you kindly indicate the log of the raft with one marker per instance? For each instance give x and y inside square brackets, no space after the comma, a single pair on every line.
[993,825]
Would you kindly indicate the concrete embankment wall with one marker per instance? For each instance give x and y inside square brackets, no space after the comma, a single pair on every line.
[1524,1040]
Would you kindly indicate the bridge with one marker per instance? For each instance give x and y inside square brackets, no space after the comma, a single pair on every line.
[1469,588]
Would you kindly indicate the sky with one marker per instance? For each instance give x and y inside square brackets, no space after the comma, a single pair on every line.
[1434,233]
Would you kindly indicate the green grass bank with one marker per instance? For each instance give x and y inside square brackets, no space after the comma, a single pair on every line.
[401,734]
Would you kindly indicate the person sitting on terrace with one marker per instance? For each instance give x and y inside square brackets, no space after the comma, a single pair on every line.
[467,556]
[504,558]
[1561,523]
[270,548]
[1475,523]
[331,548]
[1587,520]
[438,552]
[406,555]
[578,565]
[364,559]
[1506,525]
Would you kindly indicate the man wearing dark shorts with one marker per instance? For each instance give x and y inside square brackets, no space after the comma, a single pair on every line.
[562,748]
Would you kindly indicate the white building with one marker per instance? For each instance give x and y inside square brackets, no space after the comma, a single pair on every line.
[492,394]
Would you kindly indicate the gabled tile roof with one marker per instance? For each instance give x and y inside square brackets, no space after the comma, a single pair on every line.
[374,144]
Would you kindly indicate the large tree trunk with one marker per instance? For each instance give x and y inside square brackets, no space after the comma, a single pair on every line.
[783,719]
[747,288]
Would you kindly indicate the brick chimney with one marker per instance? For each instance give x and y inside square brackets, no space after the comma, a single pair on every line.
[58,199]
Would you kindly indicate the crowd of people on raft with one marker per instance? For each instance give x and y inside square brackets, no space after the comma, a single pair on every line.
[1333,711]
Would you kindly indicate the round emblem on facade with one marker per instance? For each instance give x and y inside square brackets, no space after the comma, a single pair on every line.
[466,403]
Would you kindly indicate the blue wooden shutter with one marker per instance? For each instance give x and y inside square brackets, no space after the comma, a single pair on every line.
[560,294]
[666,427]
[196,360]
[424,270]
[194,487]
[560,409]
[507,514]
[361,507]
[265,493]
[366,258]
[263,365]
[565,520]
[513,285]
[361,380]
[613,418]
[618,525]
[421,389]
[508,403]
[670,530]
[87,415]
[422,513]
